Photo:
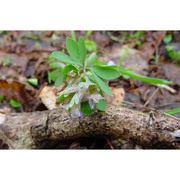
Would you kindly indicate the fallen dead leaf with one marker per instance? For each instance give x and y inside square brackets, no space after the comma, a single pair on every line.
[133,59]
[49,95]
[19,92]
[172,72]
[118,96]
[16,60]
[151,42]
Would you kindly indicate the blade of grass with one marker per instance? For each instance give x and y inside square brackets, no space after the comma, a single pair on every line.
[173,111]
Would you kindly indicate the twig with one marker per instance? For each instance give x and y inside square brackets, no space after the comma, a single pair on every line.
[147,102]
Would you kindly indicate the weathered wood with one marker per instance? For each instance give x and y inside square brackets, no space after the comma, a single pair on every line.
[151,130]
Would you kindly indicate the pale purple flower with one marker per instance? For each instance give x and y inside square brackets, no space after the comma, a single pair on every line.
[111,63]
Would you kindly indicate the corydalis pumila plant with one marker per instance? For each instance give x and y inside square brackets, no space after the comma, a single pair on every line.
[86,79]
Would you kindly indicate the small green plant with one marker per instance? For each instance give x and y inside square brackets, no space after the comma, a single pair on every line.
[1,98]
[14,103]
[167,38]
[86,78]
[137,35]
[172,53]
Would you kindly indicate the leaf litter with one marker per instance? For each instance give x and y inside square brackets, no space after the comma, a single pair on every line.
[24,54]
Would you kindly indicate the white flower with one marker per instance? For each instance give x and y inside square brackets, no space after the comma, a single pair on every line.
[111,63]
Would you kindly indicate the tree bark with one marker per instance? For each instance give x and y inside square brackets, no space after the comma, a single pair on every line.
[150,130]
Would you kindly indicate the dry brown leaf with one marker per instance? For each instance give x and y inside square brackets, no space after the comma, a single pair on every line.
[49,95]
[16,60]
[152,41]
[172,72]
[118,96]
[133,59]
[18,91]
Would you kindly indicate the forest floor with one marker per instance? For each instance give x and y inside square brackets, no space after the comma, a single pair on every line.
[24,59]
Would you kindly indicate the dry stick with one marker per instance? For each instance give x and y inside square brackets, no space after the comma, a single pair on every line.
[151,130]
[147,102]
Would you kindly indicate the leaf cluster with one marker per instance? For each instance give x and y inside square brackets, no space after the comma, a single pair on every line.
[86,78]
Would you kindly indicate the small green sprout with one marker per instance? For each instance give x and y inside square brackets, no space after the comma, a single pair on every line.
[167,38]
[33,81]
[14,103]
[86,78]
[1,98]
[137,34]
[172,53]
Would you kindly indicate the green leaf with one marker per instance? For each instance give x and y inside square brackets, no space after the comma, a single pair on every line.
[73,49]
[14,103]
[86,109]
[169,48]
[56,76]
[59,80]
[106,72]
[33,81]
[50,57]
[73,35]
[139,77]
[53,75]
[88,34]
[90,76]
[102,85]
[93,60]
[1,98]
[56,65]
[173,111]
[167,38]
[61,98]
[90,45]
[63,57]
[74,101]
[172,54]
[137,34]
[101,105]
[82,49]
[67,69]
[138,43]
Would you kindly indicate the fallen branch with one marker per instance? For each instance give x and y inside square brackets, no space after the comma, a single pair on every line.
[150,130]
